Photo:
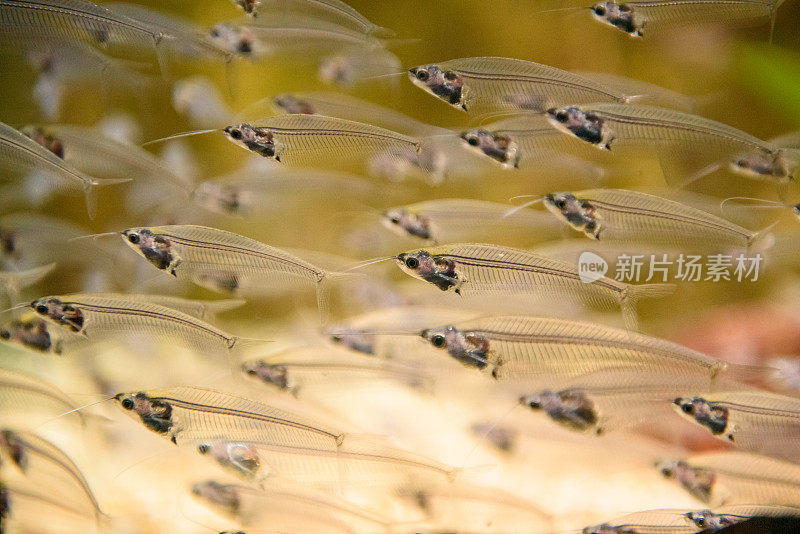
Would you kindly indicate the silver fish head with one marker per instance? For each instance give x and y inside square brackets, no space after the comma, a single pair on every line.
[221,496]
[254,139]
[706,519]
[293,105]
[277,375]
[500,147]
[546,400]
[249,6]
[236,39]
[696,480]
[62,313]
[33,334]
[438,270]
[709,414]
[578,213]
[620,16]
[240,457]
[403,222]
[354,339]
[469,348]
[154,247]
[446,85]
[583,125]
[155,414]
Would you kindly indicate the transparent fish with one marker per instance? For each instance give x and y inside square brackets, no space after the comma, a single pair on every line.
[736,478]
[248,6]
[449,220]
[354,65]
[496,84]
[526,348]
[26,401]
[21,154]
[40,462]
[91,152]
[31,508]
[634,17]
[223,261]
[727,516]
[359,463]
[618,214]
[279,190]
[331,11]
[500,271]
[287,508]
[187,414]
[527,141]
[34,334]
[296,369]
[12,282]
[753,421]
[688,146]
[646,522]
[100,318]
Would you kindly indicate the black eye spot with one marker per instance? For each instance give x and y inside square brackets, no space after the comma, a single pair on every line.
[599,10]
[395,220]
[741,163]
[450,75]
[214,32]
[41,308]
[687,408]
[666,471]
[438,341]
[473,141]
[422,75]
[134,238]
[203,449]
[127,404]
[235,133]
[562,116]
[5,334]
[412,263]
[561,203]
[251,371]
[534,404]
[701,521]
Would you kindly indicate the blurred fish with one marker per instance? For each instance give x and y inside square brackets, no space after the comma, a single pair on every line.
[248,6]
[33,333]
[192,413]
[42,463]
[763,167]
[647,522]
[736,478]
[492,84]
[26,400]
[223,261]
[727,516]
[199,100]
[634,16]
[332,11]
[99,318]
[753,421]
[21,154]
[453,219]
[354,65]
[618,214]
[12,282]
[688,146]
[288,508]
[492,270]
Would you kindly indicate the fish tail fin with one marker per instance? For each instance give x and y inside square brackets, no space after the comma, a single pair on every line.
[634,294]
[732,375]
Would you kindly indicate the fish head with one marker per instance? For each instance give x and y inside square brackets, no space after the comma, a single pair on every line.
[293,105]
[354,339]
[46,139]
[277,375]
[603,528]
[496,145]
[447,85]
[709,414]
[618,15]
[220,496]
[33,334]
[62,313]
[14,448]
[249,6]
[436,269]
[238,40]
[706,519]
[254,139]
[468,347]
[584,125]
[154,246]
[155,414]
[240,457]
[578,213]
[796,210]
[218,197]
[753,164]
[405,222]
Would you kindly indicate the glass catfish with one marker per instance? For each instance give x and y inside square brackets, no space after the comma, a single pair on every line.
[491,270]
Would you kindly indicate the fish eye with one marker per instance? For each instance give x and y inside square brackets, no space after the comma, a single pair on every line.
[41,308]
[395,220]
[412,262]
[700,521]
[562,116]
[741,163]
[133,238]
[599,10]
[534,404]
[214,32]
[438,341]
[450,75]
[687,407]
[561,203]
[127,404]
[666,471]
[235,133]
[473,140]
[250,371]
[5,334]
[203,449]
[422,75]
